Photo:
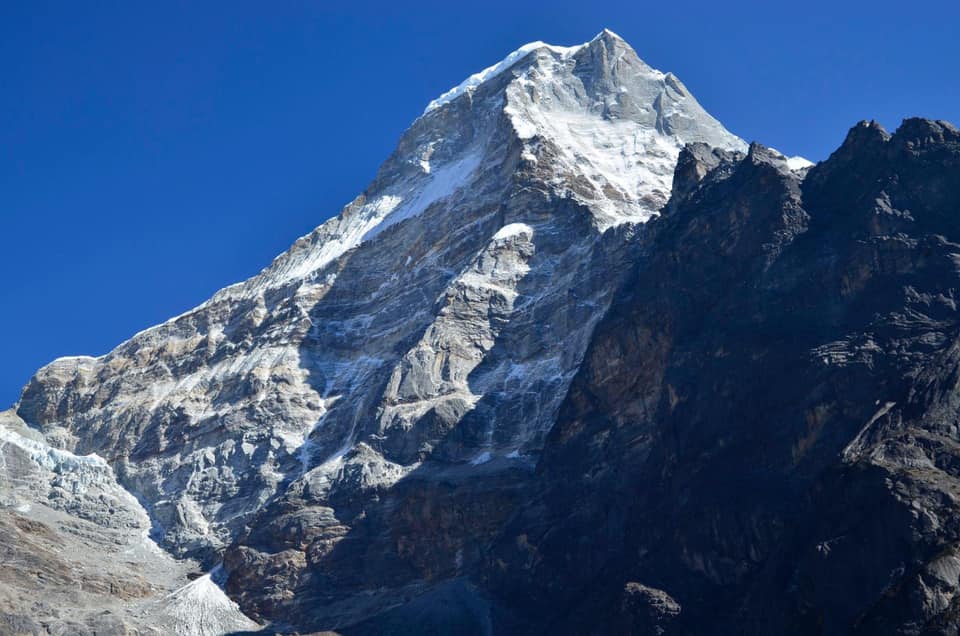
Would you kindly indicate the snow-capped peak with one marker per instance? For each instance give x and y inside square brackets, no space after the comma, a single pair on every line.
[608,33]
[467,276]
[602,126]
[603,114]
[492,71]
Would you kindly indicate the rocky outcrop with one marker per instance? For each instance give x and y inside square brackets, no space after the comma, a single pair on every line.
[763,429]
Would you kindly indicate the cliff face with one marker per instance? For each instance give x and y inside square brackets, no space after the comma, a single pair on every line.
[763,435]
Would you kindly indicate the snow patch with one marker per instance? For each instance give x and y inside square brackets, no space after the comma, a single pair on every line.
[513,229]
[443,182]
[352,234]
[201,608]
[798,163]
[363,220]
[80,471]
[793,163]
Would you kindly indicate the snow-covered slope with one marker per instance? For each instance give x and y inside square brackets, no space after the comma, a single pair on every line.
[625,140]
[199,608]
[437,320]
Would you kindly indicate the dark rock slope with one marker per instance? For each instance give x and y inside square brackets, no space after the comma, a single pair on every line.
[763,437]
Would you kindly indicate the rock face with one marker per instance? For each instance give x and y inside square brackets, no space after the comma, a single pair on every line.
[763,432]
[516,387]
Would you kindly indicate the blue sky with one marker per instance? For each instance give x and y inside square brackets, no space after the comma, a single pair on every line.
[151,153]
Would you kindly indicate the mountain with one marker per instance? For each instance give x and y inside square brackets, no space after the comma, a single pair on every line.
[433,326]
[577,360]
[414,308]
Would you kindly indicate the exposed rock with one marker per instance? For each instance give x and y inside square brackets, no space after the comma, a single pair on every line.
[764,426]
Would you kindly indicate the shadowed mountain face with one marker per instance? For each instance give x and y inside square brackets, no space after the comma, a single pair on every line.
[763,436]
[518,387]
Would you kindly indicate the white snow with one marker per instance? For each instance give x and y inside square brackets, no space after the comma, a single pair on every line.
[79,360]
[85,469]
[798,163]
[475,80]
[397,203]
[627,162]
[351,235]
[490,72]
[793,163]
[443,181]
[77,475]
[201,608]
[513,229]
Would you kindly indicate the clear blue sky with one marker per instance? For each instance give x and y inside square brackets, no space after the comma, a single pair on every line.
[151,153]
